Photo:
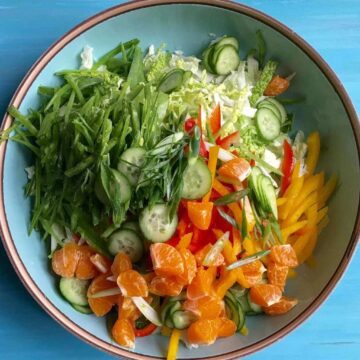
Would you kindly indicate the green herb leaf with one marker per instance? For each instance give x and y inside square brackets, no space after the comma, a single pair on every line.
[261,47]
[248,259]
[232,197]
[228,218]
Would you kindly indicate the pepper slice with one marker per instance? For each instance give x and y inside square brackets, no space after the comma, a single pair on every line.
[229,140]
[145,331]
[287,166]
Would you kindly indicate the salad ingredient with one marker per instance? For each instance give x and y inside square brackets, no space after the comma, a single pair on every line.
[172,81]
[74,290]
[202,285]
[65,260]
[267,124]
[121,263]
[277,274]
[174,344]
[190,266]
[207,307]
[197,181]
[123,333]
[215,120]
[131,284]
[277,86]
[238,169]
[149,312]
[200,213]
[145,331]
[101,263]
[284,255]
[165,286]
[229,140]
[313,143]
[155,223]
[128,242]
[85,269]
[130,164]
[265,294]
[225,59]
[82,309]
[281,307]
[286,167]
[203,331]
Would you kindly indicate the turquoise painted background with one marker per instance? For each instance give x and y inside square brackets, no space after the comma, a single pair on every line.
[27,28]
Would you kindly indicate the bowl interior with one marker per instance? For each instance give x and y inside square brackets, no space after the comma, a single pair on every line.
[187,27]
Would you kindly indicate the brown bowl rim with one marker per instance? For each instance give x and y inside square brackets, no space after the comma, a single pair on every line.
[31,75]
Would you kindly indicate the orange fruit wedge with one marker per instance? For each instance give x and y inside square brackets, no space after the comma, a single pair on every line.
[202,285]
[190,267]
[284,255]
[120,264]
[253,272]
[85,268]
[277,274]
[237,168]
[131,283]
[123,333]
[207,307]
[165,286]
[65,260]
[265,294]
[281,307]
[203,332]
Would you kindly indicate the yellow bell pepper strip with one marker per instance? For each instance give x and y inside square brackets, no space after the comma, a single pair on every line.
[185,241]
[321,214]
[236,242]
[200,213]
[248,246]
[327,190]
[226,282]
[311,215]
[173,344]
[250,219]
[321,181]
[213,157]
[310,184]
[286,232]
[235,208]
[302,240]
[313,142]
[294,217]
[295,174]
[309,247]
[323,223]
[281,201]
[291,194]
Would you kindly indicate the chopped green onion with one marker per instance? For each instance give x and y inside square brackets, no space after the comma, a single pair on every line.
[232,197]
[248,259]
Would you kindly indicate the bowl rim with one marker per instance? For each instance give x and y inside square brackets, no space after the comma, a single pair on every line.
[52,51]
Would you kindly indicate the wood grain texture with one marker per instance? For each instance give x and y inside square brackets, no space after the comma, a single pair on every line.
[27,28]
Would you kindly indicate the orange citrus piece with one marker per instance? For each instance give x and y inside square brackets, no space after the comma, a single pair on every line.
[202,285]
[127,309]
[277,274]
[226,327]
[284,255]
[207,307]
[85,269]
[190,267]
[276,86]
[131,283]
[123,333]
[65,260]
[265,294]
[121,263]
[102,263]
[253,272]
[203,332]
[237,168]
[281,307]
[201,254]
[165,286]
[101,306]
[167,261]
[200,213]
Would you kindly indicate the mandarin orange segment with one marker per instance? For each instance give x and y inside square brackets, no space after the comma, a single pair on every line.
[253,272]
[284,255]
[203,332]
[202,285]
[101,306]
[131,283]
[167,261]
[265,294]
[128,310]
[236,168]
[123,333]
[165,286]
[277,274]
[190,267]
[121,263]
[200,256]
[281,307]
[102,263]
[85,269]
[207,307]
[225,326]
[65,260]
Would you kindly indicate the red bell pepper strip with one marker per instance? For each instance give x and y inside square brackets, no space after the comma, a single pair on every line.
[287,166]
[215,119]
[147,330]
[227,141]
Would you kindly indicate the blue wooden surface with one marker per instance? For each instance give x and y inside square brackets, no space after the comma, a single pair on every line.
[27,28]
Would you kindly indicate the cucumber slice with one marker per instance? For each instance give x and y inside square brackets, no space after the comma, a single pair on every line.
[165,311]
[227,40]
[117,183]
[74,290]
[171,81]
[280,107]
[131,225]
[155,223]
[130,164]
[207,56]
[268,196]
[166,144]
[253,180]
[242,300]
[267,124]
[127,241]
[270,106]
[196,180]
[255,308]
[234,312]
[225,60]
[82,309]
[182,319]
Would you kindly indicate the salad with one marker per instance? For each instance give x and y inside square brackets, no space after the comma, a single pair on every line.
[172,193]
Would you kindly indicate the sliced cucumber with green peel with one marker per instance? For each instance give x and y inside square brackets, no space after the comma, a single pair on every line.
[128,242]
[131,225]
[130,164]
[155,223]
[171,81]
[207,56]
[234,311]
[269,196]
[280,108]
[82,309]
[268,124]
[268,105]
[182,319]
[196,181]
[225,60]
[227,40]
[74,291]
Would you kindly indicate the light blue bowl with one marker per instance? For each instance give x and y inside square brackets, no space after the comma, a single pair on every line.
[186,25]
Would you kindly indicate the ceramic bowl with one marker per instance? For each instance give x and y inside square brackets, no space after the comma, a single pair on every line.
[186,25]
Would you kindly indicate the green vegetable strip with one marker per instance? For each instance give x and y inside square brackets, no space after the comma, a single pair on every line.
[265,78]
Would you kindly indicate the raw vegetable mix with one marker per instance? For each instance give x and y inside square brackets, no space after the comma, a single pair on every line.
[174,195]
